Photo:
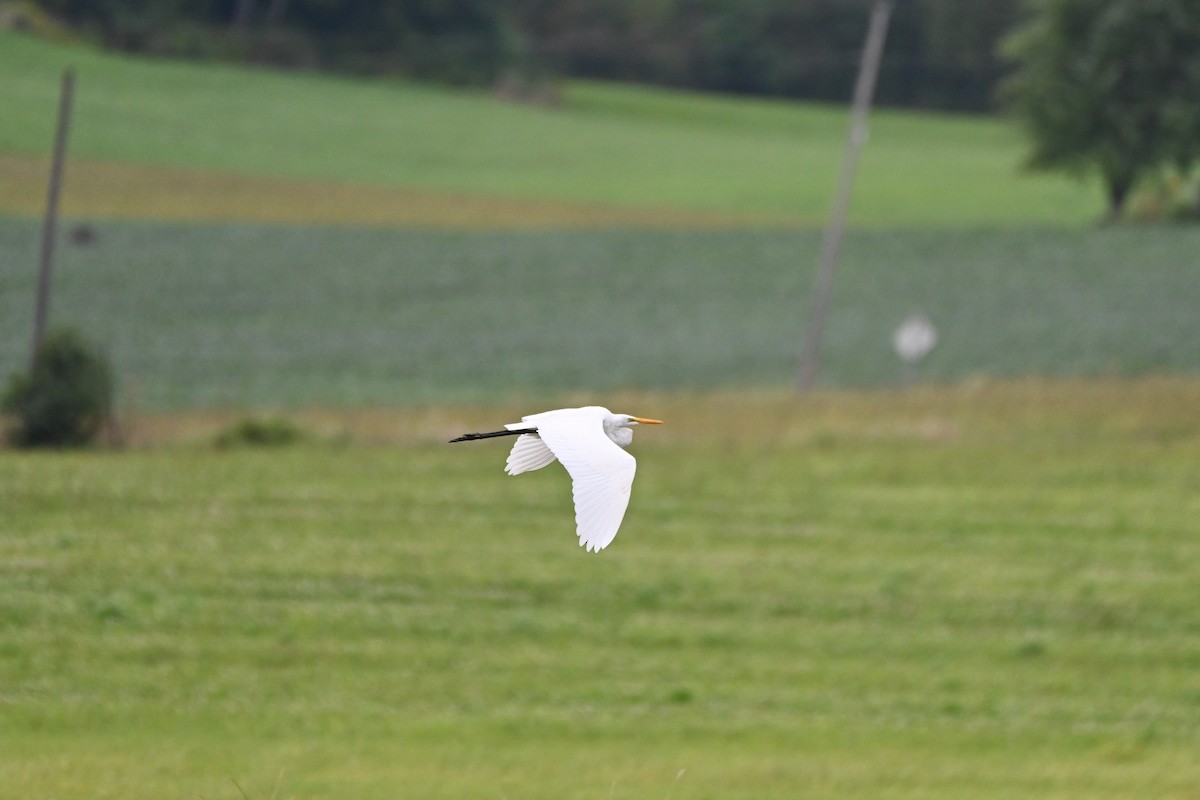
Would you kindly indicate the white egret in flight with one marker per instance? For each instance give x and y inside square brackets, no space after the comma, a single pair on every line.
[589,442]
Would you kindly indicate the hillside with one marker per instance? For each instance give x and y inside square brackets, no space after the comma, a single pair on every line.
[170,129]
[695,274]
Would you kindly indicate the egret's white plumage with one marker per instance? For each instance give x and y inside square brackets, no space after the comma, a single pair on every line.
[589,442]
[529,452]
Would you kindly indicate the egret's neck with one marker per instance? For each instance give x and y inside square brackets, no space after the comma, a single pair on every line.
[619,434]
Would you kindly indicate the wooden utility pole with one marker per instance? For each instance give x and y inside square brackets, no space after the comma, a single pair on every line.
[49,225]
[864,90]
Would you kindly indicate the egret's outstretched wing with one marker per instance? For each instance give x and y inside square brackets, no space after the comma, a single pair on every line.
[601,472]
[528,453]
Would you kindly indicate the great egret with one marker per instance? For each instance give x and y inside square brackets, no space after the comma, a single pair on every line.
[589,442]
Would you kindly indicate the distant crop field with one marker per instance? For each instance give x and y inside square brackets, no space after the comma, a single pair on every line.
[606,148]
[975,593]
[203,316]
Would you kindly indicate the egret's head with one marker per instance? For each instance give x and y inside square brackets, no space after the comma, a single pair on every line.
[618,427]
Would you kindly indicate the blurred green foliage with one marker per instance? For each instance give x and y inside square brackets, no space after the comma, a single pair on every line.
[1110,86]
[260,432]
[65,399]
[941,53]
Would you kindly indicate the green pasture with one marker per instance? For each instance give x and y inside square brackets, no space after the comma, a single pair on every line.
[252,316]
[985,592]
[980,586]
[764,162]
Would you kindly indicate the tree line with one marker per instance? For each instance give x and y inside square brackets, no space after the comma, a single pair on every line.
[941,53]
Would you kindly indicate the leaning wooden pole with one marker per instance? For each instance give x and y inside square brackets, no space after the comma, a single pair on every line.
[864,90]
[50,223]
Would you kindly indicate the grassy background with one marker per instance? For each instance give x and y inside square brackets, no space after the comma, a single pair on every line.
[976,593]
[238,315]
[607,146]
[982,590]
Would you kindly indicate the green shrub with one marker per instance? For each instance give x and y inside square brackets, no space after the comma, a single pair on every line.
[260,432]
[65,399]
[1173,197]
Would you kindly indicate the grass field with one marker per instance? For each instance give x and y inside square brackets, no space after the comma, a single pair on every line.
[282,137]
[236,315]
[985,592]
[981,587]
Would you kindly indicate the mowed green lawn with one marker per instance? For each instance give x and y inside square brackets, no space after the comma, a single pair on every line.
[762,162]
[986,592]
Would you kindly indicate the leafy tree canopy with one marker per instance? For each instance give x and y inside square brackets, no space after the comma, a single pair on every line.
[1111,86]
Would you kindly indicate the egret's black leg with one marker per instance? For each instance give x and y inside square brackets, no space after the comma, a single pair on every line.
[470,437]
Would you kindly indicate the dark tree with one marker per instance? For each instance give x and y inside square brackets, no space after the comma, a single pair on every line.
[941,53]
[1109,86]
[65,399]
